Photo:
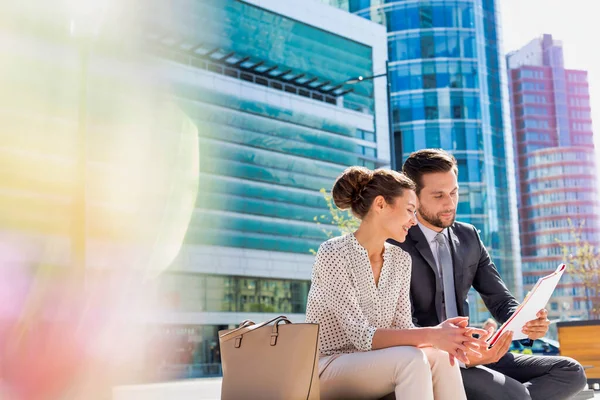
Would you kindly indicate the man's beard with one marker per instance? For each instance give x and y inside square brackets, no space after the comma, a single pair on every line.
[435,220]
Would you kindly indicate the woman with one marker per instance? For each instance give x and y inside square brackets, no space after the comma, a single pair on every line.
[360,297]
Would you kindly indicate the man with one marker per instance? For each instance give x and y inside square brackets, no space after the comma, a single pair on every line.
[448,258]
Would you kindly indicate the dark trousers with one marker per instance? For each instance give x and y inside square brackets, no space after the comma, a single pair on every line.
[525,377]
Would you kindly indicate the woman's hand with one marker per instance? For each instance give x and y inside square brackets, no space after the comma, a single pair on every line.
[456,338]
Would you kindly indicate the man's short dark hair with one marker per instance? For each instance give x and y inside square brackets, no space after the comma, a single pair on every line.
[428,161]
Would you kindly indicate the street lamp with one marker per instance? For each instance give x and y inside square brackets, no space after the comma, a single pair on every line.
[360,79]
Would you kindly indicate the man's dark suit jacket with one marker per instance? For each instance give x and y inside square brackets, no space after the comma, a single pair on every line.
[472,267]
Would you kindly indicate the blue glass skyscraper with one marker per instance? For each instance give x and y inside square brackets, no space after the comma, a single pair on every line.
[448,90]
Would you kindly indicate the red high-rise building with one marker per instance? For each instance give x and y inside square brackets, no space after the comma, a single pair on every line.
[556,180]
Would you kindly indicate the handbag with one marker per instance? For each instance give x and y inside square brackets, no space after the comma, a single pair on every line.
[275,359]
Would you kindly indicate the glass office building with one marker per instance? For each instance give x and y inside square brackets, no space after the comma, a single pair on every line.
[265,85]
[553,134]
[449,91]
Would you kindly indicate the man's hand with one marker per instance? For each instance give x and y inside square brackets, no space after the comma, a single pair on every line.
[537,328]
[489,356]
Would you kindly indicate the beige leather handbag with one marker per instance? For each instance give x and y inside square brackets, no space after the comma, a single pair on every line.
[271,360]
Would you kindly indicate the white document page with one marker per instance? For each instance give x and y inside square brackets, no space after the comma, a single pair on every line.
[535,301]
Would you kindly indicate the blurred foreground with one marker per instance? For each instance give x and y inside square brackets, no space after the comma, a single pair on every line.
[98,180]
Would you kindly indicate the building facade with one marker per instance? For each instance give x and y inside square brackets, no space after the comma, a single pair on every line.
[449,91]
[266,86]
[556,161]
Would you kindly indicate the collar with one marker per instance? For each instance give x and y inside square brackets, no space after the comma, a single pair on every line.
[358,247]
[430,234]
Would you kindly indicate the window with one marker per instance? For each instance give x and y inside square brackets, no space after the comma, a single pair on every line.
[532,110]
[580,114]
[535,98]
[577,77]
[532,86]
[582,126]
[578,89]
[427,46]
[534,123]
[215,294]
[532,73]
[579,102]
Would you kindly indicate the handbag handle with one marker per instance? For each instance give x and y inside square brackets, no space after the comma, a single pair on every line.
[248,326]
[245,323]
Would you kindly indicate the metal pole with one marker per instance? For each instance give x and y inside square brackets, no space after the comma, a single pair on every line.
[393,161]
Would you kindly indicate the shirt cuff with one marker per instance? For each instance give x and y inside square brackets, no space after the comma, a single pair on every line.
[369,339]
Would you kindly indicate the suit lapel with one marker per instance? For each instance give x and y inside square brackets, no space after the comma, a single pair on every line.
[457,260]
[423,247]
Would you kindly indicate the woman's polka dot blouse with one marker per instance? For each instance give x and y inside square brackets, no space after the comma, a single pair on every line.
[345,301]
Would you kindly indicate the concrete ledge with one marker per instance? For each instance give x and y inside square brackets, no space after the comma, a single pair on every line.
[189,389]
[210,389]
[585,395]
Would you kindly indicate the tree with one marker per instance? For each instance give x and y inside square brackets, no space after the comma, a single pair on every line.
[342,220]
[583,263]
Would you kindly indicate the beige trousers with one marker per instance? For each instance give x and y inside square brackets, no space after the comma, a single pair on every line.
[409,372]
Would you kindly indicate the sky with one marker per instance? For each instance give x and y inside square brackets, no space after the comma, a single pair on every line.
[574,22]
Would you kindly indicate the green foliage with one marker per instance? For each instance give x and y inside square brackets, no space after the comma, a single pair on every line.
[583,262]
[339,222]
[262,308]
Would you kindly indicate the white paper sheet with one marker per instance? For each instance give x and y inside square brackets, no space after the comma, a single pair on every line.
[535,301]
